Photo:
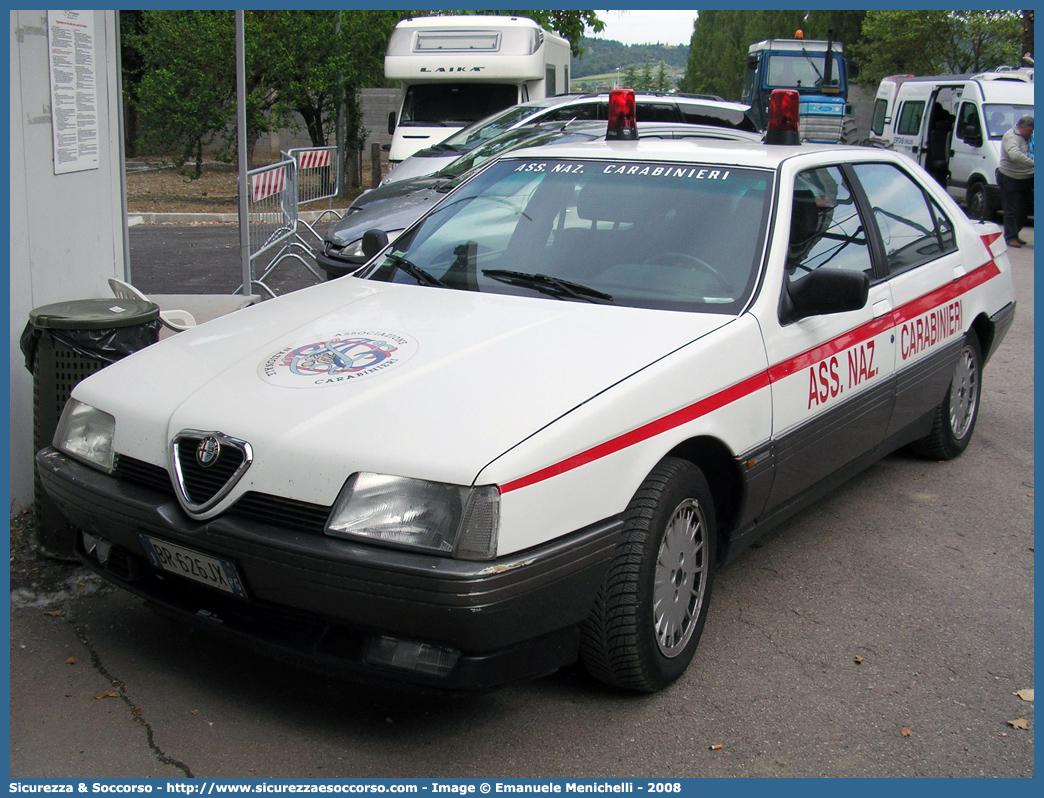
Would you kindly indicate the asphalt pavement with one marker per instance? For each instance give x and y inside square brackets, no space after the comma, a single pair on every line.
[885,631]
[206,258]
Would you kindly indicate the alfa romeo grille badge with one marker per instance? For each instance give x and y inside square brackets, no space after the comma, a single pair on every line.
[208,450]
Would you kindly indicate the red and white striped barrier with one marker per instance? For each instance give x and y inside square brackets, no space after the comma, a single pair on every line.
[267,184]
[313,159]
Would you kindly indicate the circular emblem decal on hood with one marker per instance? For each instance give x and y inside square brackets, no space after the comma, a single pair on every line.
[339,359]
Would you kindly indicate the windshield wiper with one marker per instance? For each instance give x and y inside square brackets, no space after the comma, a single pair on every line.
[813,63]
[554,286]
[414,271]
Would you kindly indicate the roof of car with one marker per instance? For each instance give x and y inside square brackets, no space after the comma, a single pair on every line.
[734,153]
[560,99]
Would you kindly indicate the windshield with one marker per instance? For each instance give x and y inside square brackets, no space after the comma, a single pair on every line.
[638,234]
[473,135]
[484,152]
[438,104]
[527,136]
[1001,117]
[801,71]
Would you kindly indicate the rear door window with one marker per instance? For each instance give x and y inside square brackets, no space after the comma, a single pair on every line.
[910,116]
[913,227]
[659,111]
[877,123]
[584,111]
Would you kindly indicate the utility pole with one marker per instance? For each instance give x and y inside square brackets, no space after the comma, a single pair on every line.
[1027,36]
[339,135]
[241,138]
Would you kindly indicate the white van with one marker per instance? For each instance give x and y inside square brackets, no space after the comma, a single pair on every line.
[457,70]
[952,126]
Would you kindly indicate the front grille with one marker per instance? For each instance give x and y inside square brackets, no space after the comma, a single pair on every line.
[141,473]
[287,513]
[201,486]
[264,508]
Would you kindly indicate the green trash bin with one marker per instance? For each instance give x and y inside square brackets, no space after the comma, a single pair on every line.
[64,343]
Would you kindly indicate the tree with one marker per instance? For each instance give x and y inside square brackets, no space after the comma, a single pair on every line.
[295,62]
[1027,36]
[187,90]
[646,81]
[308,62]
[316,59]
[982,40]
[133,68]
[570,24]
[937,42]
[721,39]
[605,55]
[661,83]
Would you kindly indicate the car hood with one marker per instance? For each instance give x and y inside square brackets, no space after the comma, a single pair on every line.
[401,188]
[392,213]
[399,379]
[418,165]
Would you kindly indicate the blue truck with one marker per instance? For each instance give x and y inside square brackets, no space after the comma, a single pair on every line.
[817,70]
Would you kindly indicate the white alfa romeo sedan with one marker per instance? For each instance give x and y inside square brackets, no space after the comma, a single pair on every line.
[532,429]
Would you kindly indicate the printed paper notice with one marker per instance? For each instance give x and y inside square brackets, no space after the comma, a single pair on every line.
[74,93]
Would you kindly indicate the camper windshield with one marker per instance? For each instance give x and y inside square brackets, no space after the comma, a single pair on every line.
[1001,117]
[454,104]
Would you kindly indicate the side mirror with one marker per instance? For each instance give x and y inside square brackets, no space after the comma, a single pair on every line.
[391,123]
[373,241]
[822,292]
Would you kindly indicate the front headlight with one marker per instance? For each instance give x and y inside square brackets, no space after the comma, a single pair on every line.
[452,520]
[84,432]
[352,250]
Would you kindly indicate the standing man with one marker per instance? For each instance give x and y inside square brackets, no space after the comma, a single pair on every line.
[1015,178]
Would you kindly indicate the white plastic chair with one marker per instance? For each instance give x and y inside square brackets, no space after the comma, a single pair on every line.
[176,320]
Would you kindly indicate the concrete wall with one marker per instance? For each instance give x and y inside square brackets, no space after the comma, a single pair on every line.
[862,101]
[67,231]
[376,105]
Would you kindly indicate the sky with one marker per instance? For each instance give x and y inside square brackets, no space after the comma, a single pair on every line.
[647,27]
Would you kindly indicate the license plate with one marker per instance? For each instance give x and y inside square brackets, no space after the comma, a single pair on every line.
[191,564]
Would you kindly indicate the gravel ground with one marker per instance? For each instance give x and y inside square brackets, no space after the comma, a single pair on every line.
[41,581]
[155,187]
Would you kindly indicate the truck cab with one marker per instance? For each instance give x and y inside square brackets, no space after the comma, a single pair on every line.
[804,66]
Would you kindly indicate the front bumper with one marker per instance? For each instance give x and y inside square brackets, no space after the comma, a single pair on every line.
[325,602]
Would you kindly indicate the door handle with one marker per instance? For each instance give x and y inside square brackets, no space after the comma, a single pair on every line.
[882,307]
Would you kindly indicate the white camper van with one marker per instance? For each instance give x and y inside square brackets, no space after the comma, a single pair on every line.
[952,125]
[457,70]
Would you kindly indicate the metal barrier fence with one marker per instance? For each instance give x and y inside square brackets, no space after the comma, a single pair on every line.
[316,179]
[272,219]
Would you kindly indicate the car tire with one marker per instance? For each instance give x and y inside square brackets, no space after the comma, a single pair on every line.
[652,606]
[978,202]
[955,417]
